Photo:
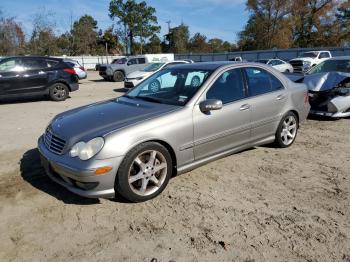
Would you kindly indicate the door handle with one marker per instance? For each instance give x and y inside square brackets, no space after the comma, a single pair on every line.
[280,97]
[244,107]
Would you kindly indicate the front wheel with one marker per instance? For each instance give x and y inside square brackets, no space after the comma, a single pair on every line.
[118,76]
[144,173]
[58,92]
[287,130]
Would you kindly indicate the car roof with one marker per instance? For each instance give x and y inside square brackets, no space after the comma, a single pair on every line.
[340,58]
[35,57]
[206,65]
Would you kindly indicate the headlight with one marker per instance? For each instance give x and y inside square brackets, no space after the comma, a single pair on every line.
[87,150]
[307,63]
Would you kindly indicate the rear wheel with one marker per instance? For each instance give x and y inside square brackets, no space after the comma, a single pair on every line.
[58,92]
[144,173]
[118,76]
[287,130]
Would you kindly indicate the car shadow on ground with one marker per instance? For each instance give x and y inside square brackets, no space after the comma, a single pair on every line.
[97,80]
[121,90]
[25,99]
[322,118]
[33,173]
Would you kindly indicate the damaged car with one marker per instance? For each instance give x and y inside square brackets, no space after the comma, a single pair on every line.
[329,88]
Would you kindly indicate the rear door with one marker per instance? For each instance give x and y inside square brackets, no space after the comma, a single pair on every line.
[221,130]
[131,66]
[10,76]
[35,78]
[267,99]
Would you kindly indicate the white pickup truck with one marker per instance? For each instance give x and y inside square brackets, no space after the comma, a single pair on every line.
[308,60]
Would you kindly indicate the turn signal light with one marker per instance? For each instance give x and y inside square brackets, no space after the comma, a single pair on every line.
[103,170]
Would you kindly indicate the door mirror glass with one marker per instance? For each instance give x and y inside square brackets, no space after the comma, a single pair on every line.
[210,104]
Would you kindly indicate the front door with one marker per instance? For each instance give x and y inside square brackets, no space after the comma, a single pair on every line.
[10,76]
[221,130]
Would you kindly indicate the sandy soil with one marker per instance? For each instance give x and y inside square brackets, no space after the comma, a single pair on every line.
[263,204]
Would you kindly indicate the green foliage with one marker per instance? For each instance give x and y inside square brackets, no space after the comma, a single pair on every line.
[177,39]
[84,35]
[137,20]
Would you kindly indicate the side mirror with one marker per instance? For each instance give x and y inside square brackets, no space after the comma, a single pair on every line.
[209,105]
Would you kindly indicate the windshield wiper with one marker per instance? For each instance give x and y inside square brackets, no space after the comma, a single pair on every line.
[149,99]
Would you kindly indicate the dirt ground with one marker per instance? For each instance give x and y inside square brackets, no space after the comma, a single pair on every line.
[263,204]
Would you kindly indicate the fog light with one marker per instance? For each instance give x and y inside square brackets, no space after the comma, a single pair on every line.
[103,170]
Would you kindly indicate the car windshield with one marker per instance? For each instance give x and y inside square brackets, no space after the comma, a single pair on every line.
[153,67]
[309,54]
[263,61]
[331,66]
[172,86]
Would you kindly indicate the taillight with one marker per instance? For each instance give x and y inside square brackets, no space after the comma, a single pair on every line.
[82,68]
[69,71]
[306,97]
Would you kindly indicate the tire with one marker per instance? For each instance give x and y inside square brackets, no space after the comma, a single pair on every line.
[287,130]
[118,76]
[58,92]
[137,179]
[154,86]
[195,81]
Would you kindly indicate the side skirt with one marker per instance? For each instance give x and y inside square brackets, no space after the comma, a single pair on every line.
[203,161]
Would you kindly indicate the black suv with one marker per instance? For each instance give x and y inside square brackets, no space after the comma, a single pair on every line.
[37,75]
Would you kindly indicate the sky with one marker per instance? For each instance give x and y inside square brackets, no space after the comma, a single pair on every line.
[213,18]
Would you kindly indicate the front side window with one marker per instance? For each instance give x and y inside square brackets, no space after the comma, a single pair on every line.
[228,87]
[261,82]
[171,86]
[324,55]
[11,65]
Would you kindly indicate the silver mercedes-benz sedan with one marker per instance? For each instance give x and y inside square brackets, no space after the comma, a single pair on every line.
[133,144]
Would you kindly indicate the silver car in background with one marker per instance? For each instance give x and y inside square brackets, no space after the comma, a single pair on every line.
[79,69]
[132,145]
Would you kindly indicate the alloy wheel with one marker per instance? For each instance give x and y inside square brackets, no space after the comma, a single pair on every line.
[289,130]
[59,91]
[147,173]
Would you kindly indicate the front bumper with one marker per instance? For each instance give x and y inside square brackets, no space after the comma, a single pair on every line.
[128,84]
[329,114]
[79,176]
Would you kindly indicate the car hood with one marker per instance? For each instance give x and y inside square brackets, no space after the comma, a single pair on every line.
[324,81]
[101,118]
[137,74]
[306,59]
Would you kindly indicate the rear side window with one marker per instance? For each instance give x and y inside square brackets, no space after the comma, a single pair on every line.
[261,82]
[228,87]
[141,60]
[51,63]
[34,64]
[132,62]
